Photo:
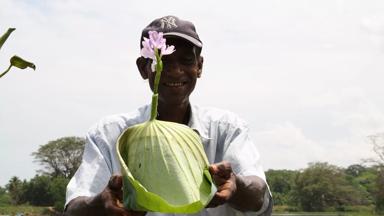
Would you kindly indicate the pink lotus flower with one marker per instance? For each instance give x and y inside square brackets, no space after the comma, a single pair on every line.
[153,45]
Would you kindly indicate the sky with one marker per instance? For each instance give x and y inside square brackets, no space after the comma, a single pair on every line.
[305,75]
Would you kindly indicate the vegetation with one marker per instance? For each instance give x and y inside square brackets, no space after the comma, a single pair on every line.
[60,159]
[15,61]
[321,187]
[26,209]
[324,187]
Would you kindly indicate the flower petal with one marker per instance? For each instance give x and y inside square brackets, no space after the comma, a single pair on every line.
[168,50]
[147,53]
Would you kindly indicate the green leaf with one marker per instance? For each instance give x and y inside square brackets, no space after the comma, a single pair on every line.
[5,36]
[164,168]
[21,63]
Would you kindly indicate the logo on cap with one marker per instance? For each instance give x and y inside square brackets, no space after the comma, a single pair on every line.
[168,22]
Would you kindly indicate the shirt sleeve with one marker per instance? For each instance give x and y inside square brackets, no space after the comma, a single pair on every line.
[244,157]
[242,152]
[93,174]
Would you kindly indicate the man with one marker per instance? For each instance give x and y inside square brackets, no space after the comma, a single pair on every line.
[242,189]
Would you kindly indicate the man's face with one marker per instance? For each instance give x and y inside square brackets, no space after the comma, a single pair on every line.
[180,72]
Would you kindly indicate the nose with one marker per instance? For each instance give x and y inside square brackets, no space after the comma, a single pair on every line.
[172,68]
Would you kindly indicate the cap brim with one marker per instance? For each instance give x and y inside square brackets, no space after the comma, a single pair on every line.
[186,37]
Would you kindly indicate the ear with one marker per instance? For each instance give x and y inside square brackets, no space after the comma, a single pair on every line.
[141,64]
[200,66]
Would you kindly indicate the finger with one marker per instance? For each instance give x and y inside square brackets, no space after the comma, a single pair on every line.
[111,209]
[213,169]
[218,180]
[115,187]
[223,195]
[137,213]
[216,201]
[213,203]
[224,169]
[115,182]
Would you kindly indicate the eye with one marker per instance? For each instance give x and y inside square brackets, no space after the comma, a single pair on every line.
[188,60]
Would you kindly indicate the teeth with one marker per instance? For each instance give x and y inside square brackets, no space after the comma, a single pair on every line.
[174,84]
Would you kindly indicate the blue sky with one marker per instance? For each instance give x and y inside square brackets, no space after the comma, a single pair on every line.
[306,75]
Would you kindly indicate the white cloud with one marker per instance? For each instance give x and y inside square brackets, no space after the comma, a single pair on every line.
[285,146]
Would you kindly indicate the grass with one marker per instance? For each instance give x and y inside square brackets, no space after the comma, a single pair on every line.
[28,210]
[283,210]
[25,210]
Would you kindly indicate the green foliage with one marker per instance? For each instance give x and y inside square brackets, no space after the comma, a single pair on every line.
[15,61]
[15,188]
[37,191]
[57,189]
[377,141]
[281,184]
[18,62]
[321,186]
[5,199]
[380,191]
[43,190]
[5,36]
[355,170]
[60,157]
[24,209]
[363,179]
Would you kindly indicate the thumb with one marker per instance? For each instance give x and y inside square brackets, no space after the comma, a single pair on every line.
[213,169]
[115,183]
[222,169]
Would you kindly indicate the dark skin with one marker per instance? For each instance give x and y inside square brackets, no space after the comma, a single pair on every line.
[178,79]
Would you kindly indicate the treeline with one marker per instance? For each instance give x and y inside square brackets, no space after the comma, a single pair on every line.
[319,187]
[326,187]
[42,190]
[60,159]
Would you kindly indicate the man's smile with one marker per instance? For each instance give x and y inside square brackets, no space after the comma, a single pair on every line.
[174,84]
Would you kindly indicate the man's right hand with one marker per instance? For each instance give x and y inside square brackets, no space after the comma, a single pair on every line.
[108,202]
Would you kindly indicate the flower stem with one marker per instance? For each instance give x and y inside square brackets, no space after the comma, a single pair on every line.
[155,97]
[6,71]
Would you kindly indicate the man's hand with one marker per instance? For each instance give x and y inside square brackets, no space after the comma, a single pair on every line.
[225,180]
[244,193]
[108,202]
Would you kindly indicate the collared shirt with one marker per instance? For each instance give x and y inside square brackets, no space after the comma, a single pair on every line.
[223,134]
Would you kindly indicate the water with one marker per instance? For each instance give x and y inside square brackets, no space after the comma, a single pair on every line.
[318,214]
[309,214]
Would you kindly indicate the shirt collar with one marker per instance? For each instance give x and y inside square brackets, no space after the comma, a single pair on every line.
[196,124]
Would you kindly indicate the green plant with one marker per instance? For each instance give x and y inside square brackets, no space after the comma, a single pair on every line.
[15,61]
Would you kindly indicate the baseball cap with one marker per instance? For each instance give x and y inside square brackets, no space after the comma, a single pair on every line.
[173,26]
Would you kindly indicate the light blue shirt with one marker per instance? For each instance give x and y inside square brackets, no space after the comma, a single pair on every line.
[224,136]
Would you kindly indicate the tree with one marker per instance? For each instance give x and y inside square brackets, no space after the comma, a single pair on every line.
[281,184]
[57,189]
[37,191]
[5,199]
[380,191]
[355,170]
[363,179]
[60,157]
[15,189]
[377,140]
[321,186]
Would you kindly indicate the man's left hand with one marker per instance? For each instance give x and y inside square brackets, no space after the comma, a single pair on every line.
[225,180]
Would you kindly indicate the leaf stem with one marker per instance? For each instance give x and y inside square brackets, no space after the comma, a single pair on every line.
[6,71]
[155,97]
